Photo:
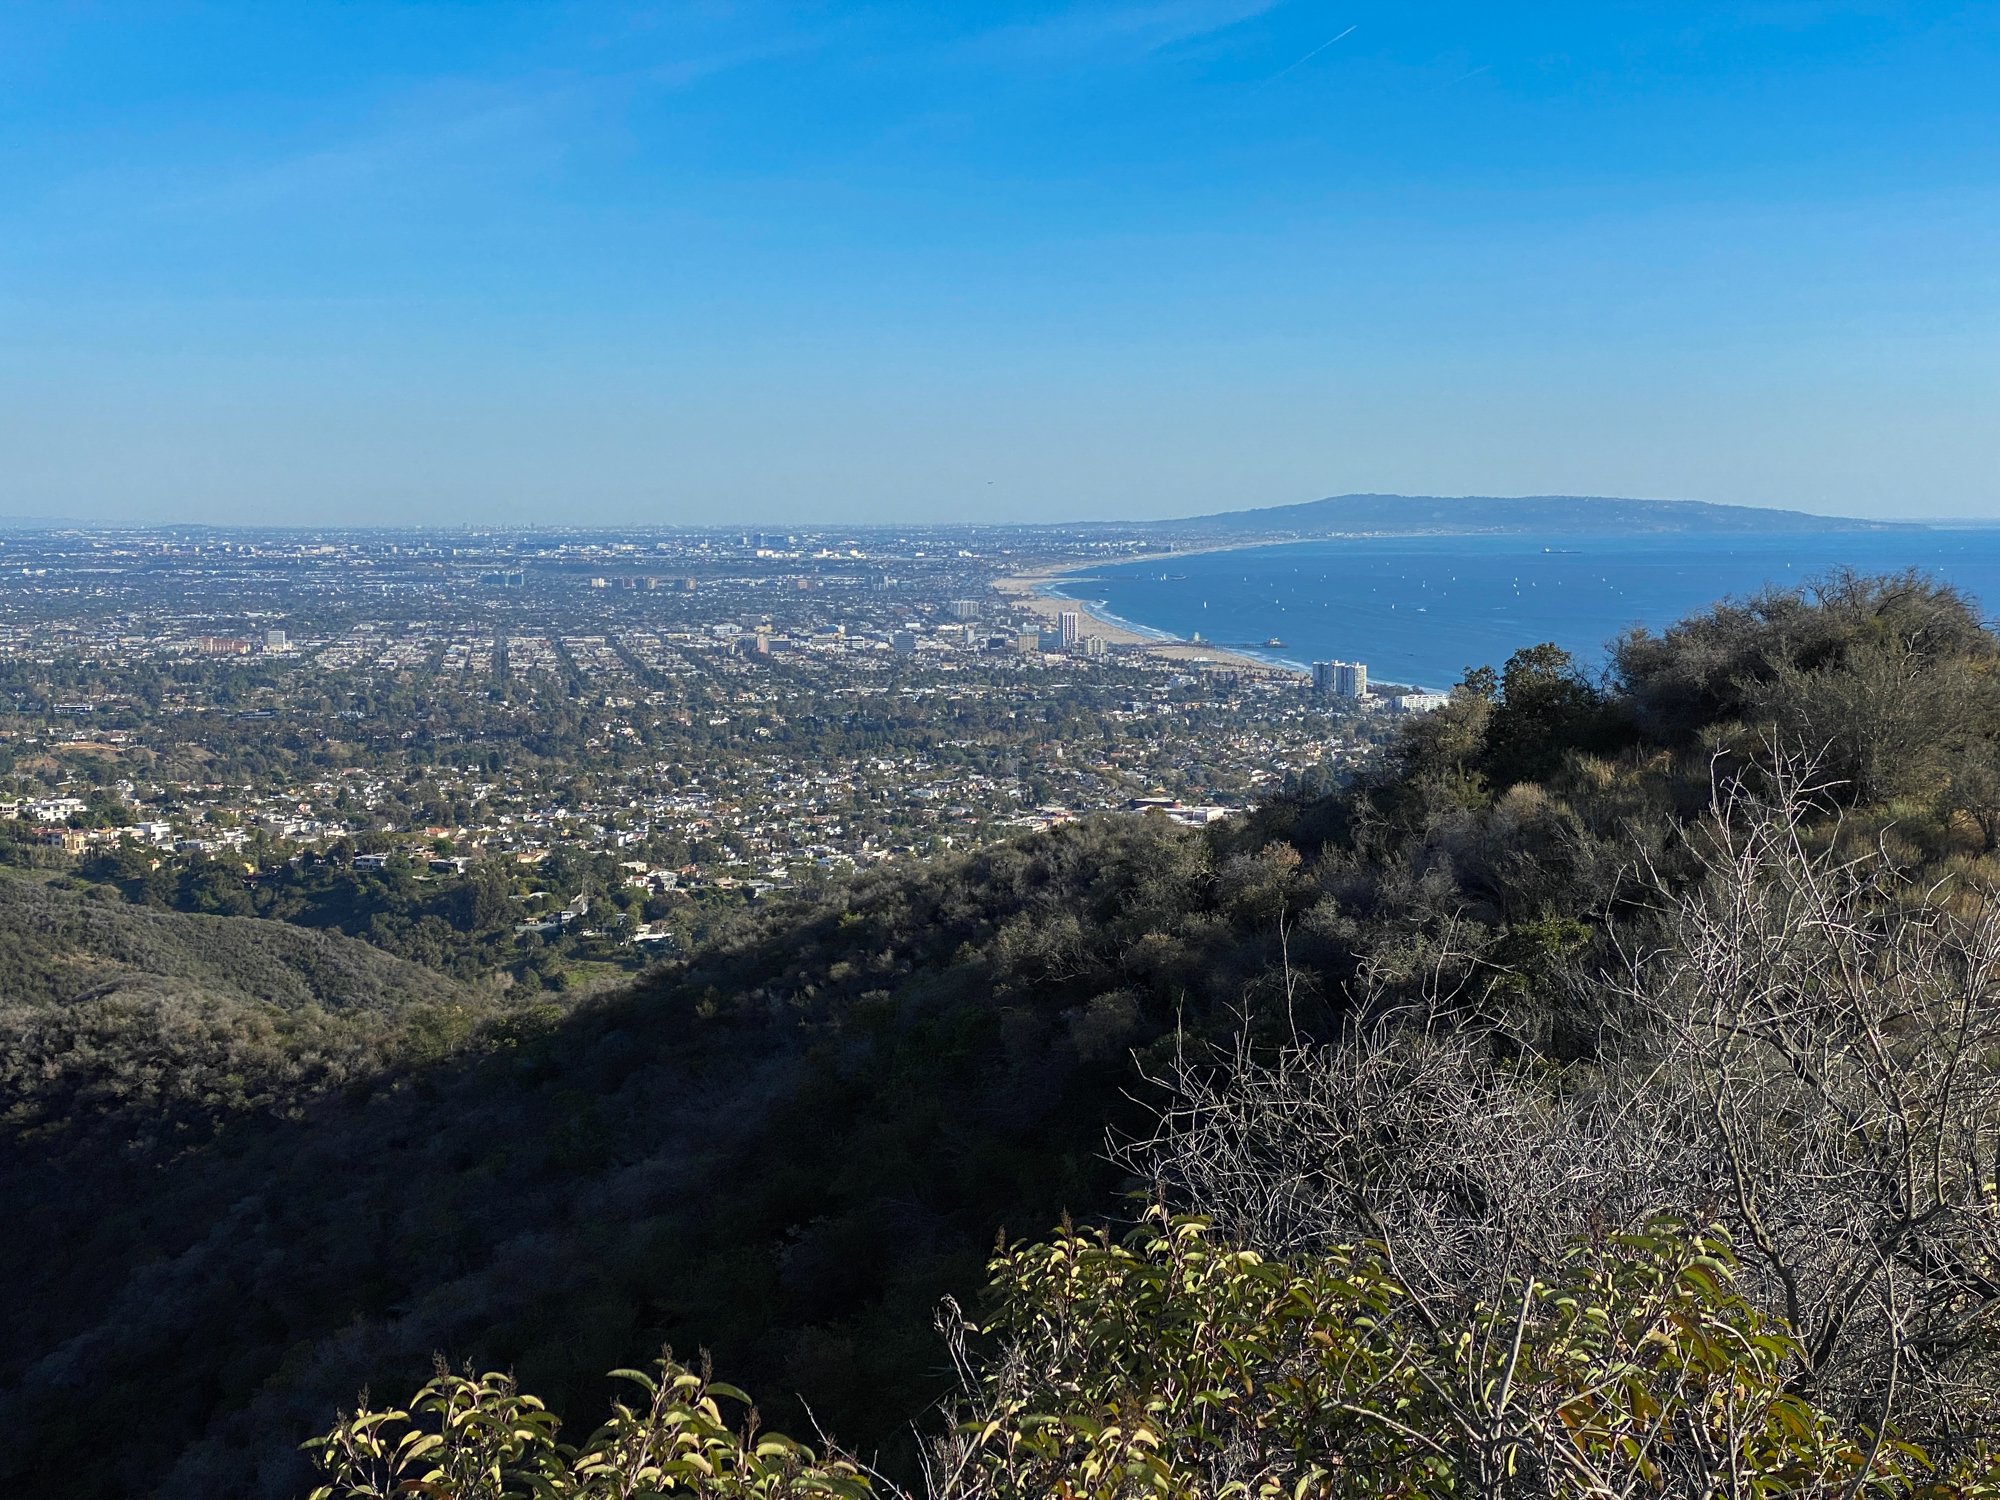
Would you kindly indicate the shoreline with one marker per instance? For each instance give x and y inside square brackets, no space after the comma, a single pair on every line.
[1753,553]
[1027,589]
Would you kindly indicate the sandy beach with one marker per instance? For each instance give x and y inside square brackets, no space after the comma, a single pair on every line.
[1025,589]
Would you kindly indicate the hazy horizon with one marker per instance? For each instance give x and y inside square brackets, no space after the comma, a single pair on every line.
[788,265]
[834,524]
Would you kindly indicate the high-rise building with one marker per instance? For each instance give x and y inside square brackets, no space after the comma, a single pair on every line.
[277,640]
[964,609]
[1069,624]
[1340,679]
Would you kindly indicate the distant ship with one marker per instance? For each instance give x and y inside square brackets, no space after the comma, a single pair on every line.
[1274,641]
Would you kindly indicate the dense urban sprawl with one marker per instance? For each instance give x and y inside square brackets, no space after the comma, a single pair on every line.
[595,742]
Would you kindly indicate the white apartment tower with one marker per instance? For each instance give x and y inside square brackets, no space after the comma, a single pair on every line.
[1341,679]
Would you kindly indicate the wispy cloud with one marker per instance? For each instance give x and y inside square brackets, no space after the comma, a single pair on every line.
[415,139]
[440,129]
[1085,32]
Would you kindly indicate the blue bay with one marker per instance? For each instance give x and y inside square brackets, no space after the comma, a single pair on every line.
[1422,609]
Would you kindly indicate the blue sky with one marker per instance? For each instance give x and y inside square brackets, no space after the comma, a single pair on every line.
[742,261]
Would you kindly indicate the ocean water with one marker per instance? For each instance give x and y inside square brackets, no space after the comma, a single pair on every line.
[1422,609]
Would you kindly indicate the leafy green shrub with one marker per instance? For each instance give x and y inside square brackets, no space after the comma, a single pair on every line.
[467,1437]
[1172,1367]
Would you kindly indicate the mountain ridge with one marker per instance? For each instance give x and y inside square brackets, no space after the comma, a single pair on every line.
[1401,514]
[165,1026]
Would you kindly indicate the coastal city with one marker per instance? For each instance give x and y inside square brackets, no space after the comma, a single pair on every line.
[595,745]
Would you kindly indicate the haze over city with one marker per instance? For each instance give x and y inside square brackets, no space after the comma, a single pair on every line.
[780,263]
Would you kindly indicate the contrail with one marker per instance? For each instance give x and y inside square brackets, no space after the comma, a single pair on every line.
[1315,52]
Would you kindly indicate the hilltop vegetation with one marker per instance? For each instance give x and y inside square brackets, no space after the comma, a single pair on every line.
[786,1148]
[1172,1367]
[788,1144]
[155,1027]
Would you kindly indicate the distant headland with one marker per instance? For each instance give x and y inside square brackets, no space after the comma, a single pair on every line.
[1385,515]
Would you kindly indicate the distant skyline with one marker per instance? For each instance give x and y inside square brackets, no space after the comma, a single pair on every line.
[747,263]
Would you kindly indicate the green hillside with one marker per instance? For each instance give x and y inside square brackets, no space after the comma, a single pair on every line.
[787,1146]
[153,1026]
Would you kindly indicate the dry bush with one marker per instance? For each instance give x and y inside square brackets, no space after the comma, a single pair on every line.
[1808,1051]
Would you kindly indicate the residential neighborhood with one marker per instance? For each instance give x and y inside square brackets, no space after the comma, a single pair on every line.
[692,720]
